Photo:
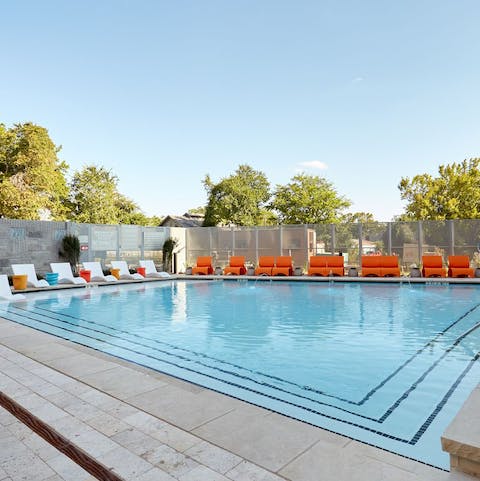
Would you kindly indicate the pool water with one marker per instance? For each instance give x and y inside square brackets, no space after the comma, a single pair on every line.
[385,364]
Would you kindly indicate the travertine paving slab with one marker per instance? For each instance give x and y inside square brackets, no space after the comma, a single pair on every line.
[81,365]
[121,382]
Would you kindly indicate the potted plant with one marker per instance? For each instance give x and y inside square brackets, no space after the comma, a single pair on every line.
[415,270]
[70,251]
[167,253]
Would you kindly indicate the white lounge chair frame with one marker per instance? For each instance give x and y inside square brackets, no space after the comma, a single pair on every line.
[65,275]
[124,272]
[151,270]
[29,270]
[97,274]
[6,291]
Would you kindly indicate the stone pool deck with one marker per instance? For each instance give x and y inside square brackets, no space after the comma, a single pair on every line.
[146,426]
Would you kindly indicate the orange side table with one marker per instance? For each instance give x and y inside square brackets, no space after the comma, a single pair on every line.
[142,271]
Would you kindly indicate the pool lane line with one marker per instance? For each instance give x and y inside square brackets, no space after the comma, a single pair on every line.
[408,361]
[414,385]
[412,440]
[179,366]
[368,418]
[58,441]
[276,378]
[444,400]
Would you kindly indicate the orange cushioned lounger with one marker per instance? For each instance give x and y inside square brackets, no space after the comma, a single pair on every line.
[318,266]
[371,266]
[335,266]
[204,266]
[265,265]
[459,266]
[432,266]
[236,267]
[283,266]
[389,266]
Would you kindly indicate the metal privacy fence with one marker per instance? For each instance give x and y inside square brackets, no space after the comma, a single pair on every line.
[408,240]
[39,243]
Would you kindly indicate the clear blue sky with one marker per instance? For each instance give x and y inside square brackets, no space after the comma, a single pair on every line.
[163,92]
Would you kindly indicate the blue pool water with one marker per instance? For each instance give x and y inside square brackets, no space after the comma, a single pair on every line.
[385,364]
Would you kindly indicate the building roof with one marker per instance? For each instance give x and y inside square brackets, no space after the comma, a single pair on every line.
[185,220]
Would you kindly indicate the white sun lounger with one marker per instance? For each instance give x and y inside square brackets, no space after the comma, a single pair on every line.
[151,270]
[6,292]
[124,272]
[29,270]
[96,272]
[65,275]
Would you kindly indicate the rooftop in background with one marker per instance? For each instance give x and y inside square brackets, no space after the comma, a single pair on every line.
[185,220]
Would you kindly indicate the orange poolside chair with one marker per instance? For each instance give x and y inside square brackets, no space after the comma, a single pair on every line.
[371,266]
[265,265]
[317,266]
[459,266]
[204,266]
[283,266]
[432,266]
[380,266]
[236,266]
[326,265]
[389,266]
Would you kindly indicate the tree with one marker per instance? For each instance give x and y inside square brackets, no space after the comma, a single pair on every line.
[32,178]
[197,210]
[358,218]
[238,199]
[308,199]
[94,196]
[454,194]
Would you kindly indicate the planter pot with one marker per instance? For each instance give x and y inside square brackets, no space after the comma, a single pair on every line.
[19,282]
[352,272]
[86,274]
[298,271]
[115,273]
[52,278]
[415,272]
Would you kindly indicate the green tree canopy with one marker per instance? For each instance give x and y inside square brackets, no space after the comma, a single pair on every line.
[238,199]
[32,178]
[94,196]
[358,218]
[308,199]
[95,199]
[454,194]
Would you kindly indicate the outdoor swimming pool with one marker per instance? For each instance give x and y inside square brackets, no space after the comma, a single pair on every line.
[384,364]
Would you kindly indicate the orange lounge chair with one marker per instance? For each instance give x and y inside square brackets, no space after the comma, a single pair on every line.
[326,265]
[236,267]
[283,266]
[371,266]
[432,266]
[335,266]
[204,266]
[389,266]
[265,265]
[317,266]
[459,266]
